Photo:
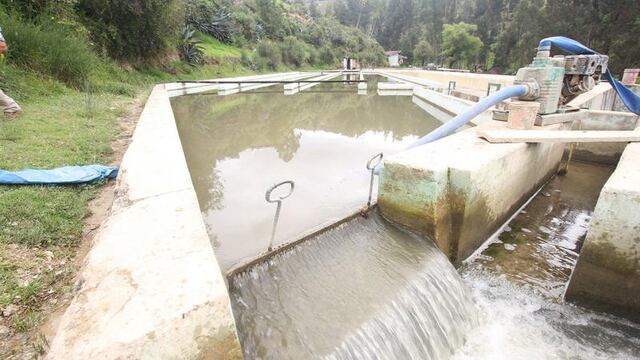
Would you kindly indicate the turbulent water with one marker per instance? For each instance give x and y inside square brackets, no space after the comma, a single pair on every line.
[518,322]
[364,290]
[518,282]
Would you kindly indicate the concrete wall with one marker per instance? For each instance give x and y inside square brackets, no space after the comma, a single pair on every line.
[472,81]
[601,101]
[150,287]
[603,153]
[607,275]
[178,89]
[443,107]
[461,189]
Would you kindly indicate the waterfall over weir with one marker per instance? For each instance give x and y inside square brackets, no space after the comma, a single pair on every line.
[363,290]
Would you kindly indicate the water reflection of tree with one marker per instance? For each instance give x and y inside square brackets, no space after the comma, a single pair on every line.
[213,128]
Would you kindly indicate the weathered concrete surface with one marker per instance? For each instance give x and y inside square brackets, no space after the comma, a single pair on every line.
[291,89]
[178,89]
[603,153]
[607,275]
[150,287]
[471,81]
[395,86]
[406,79]
[229,89]
[460,189]
[443,107]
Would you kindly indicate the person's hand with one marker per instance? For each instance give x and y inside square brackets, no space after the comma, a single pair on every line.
[3,47]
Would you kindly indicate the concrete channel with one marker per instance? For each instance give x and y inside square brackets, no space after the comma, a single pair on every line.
[151,286]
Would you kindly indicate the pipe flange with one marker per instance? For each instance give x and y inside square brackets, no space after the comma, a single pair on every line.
[533,90]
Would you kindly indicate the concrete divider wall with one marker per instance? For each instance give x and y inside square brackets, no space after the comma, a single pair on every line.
[443,107]
[178,89]
[150,287]
[603,153]
[607,274]
[473,81]
[459,190]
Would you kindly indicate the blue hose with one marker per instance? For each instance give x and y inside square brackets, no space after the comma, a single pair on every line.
[457,122]
[454,124]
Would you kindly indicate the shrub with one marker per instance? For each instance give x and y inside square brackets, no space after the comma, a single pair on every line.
[246,25]
[31,9]
[326,56]
[48,48]
[133,29]
[246,60]
[269,55]
[294,51]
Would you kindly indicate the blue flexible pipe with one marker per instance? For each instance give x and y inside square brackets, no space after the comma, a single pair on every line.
[454,124]
[457,122]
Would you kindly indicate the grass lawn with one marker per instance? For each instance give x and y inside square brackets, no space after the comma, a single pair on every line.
[41,226]
[215,49]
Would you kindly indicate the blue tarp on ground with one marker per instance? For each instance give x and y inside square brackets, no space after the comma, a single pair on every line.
[61,176]
[629,98]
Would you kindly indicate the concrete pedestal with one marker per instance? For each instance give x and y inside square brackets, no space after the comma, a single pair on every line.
[459,190]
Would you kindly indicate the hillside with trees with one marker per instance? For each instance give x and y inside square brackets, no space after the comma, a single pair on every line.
[508,30]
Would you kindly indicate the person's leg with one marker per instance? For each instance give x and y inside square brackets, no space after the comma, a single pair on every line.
[9,105]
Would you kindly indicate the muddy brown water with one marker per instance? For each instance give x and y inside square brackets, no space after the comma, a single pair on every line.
[366,289]
[239,145]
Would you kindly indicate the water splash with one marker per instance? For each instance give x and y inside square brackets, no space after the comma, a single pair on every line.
[364,290]
[518,322]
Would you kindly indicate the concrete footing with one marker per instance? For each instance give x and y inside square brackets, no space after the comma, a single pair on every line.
[459,190]
[607,275]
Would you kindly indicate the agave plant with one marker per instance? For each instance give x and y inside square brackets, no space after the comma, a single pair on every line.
[189,48]
[218,25]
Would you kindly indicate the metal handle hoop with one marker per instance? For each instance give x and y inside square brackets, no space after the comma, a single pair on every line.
[267,195]
[370,163]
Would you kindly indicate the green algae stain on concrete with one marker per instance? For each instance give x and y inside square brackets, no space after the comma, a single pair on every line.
[603,253]
[411,198]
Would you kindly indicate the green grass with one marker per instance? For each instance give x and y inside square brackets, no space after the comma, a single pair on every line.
[215,49]
[63,125]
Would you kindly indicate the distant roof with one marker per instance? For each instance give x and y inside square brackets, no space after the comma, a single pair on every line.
[392,52]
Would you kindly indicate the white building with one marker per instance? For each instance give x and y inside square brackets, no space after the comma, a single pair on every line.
[395,59]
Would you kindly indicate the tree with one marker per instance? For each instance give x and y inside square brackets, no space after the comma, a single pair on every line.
[422,52]
[133,29]
[459,45]
[314,13]
[272,18]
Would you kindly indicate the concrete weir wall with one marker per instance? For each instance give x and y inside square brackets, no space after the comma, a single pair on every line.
[459,190]
[151,287]
[607,275]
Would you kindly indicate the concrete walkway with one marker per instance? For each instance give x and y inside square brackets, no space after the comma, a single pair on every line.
[151,287]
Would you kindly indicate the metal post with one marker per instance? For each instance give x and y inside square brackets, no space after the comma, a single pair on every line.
[452,86]
[372,166]
[267,197]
